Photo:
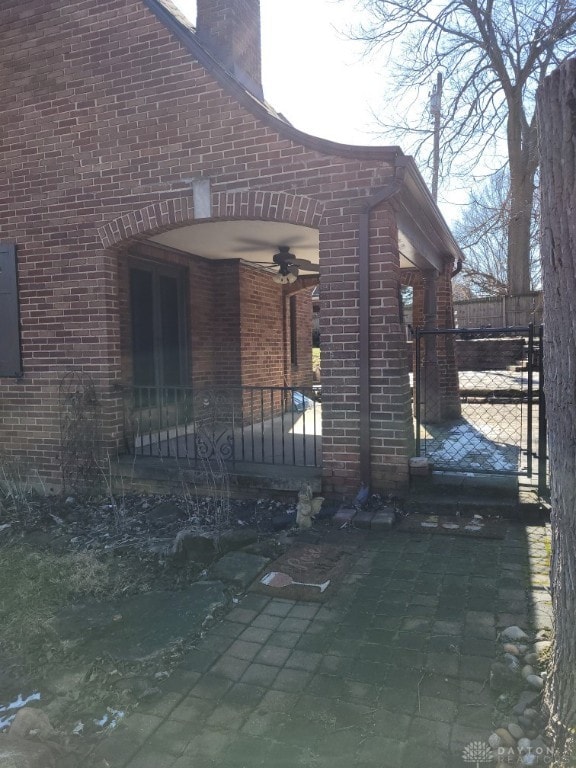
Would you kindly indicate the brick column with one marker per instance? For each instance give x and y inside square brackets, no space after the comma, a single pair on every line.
[446,348]
[432,308]
[390,418]
[430,400]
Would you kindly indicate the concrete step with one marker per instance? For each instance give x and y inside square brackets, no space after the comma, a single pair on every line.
[481,495]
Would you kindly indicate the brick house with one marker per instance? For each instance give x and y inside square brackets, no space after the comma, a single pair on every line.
[146,187]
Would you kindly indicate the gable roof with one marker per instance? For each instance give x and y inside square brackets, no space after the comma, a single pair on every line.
[185,32]
[415,199]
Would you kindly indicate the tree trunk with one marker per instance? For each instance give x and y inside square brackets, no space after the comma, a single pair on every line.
[523,164]
[556,104]
[519,244]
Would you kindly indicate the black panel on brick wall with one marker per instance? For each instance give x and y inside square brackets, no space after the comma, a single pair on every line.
[10,358]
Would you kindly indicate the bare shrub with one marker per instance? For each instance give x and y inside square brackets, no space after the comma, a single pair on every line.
[80,433]
[206,491]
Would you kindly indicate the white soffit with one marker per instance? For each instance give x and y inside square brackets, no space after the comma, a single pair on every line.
[255,241]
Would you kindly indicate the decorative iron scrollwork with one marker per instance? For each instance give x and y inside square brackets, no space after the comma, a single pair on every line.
[213,424]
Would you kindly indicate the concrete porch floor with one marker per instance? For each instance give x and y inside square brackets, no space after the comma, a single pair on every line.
[293,439]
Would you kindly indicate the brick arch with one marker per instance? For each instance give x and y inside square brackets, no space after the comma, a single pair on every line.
[179,211]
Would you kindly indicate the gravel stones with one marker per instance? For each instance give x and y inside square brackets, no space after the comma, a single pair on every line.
[513,634]
[535,681]
[525,699]
[516,673]
[542,649]
[515,731]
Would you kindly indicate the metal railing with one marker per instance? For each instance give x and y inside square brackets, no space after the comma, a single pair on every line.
[259,425]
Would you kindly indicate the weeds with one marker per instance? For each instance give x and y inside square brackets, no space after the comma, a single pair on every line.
[117,502]
[35,585]
[16,489]
[206,492]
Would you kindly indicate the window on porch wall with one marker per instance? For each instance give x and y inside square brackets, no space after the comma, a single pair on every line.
[158,323]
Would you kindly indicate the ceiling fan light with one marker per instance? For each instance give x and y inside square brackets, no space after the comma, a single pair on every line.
[285,279]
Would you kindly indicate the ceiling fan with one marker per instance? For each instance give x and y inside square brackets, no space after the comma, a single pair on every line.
[290,266]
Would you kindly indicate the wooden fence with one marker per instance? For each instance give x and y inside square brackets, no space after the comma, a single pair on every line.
[499,311]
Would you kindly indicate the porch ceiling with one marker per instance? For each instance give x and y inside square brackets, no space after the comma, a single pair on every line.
[257,241]
[252,241]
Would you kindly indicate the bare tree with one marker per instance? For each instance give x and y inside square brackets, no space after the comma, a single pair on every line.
[482,232]
[557,120]
[494,54]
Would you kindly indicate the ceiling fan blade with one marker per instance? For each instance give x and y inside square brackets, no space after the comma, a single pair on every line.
[264,242]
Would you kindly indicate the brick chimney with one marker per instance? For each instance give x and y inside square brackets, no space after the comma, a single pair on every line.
[230,29]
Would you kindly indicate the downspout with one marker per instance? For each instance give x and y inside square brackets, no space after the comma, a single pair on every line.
[457,270]
[382,195]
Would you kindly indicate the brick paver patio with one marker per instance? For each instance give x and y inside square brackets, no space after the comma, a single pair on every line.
[392,671]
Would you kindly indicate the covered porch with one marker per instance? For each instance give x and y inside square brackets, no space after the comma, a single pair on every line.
[216,330]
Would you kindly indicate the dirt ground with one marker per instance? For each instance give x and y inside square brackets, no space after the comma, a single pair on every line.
[60,551]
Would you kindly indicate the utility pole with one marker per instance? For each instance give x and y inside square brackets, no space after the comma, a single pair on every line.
[435,111]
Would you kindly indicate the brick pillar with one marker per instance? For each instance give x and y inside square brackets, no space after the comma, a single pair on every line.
[431,403]
[433,308]
[390,417]
[446,349]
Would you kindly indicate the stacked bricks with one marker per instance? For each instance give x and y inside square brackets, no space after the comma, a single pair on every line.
[382,519]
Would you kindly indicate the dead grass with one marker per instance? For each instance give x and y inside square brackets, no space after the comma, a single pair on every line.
[35,585]
[16,489]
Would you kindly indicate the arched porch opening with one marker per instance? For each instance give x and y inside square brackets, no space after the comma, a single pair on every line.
[215,332]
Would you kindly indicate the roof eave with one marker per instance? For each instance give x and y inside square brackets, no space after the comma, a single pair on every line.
[416,196]
[256,105]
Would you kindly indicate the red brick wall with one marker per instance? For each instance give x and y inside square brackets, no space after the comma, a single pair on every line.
[105,118]
[261,331]
[391,433]
[448,392]
[233,30]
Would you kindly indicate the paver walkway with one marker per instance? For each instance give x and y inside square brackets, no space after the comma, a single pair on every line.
[392,671]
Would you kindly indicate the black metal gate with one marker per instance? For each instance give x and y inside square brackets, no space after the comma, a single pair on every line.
[488,415]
